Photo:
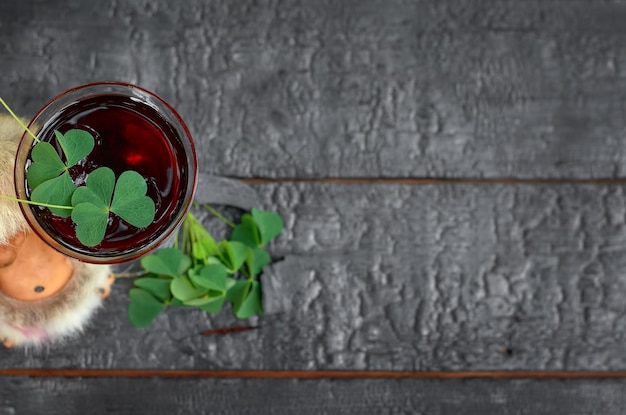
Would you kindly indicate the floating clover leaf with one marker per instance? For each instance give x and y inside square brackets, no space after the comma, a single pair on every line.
[76,144]
[102,195]
[56,191]
[46,165]
[130,201]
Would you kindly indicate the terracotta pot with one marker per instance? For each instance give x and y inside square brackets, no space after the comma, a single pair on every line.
[42,271]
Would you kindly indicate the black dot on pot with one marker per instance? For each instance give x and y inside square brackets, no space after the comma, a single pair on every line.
[39,289]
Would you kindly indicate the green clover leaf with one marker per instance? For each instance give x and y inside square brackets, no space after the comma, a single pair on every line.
[76,144]
[232,254]
[247,232]
[130,201]
[256,260]
[56,191]
[211,277]
[246,298]
[208,304]
[102,195]
[46,165]
[91,206]
[184,290]
[166,261]
[143,307]
[91,223]
[158,287]
[204,247]
[270,225]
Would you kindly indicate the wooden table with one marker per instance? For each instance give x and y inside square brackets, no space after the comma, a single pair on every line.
[452,177]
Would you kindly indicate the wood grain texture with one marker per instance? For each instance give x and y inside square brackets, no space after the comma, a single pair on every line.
[358,88]
[447,277]
[282,396]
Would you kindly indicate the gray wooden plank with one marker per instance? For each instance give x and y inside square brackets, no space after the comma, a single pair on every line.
[380,277]
[285,396]
[362,88]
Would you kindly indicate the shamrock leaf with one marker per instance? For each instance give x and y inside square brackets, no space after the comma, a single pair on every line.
[75,144]
[101,195]
[184,290]
[91,206]
[246,298]
[211,277]
[91,223]
[166,261]
[158,287]
[143,307]
[270,224]
[232,254]
[247,232]
[46,164]
[256,260]
[208,304]
[130,201]
[204,247]
[56,191]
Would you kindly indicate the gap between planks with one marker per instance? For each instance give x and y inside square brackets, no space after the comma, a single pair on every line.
[290,374]
[431,181]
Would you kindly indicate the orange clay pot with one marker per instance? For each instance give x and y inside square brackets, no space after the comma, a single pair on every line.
[43,271]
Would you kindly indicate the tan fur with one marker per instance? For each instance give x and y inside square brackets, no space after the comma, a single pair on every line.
[11,219]
[65,313]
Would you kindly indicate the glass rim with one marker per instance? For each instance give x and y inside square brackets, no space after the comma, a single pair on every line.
[78,93]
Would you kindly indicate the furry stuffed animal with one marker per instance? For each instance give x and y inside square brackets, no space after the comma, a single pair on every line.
[44,295]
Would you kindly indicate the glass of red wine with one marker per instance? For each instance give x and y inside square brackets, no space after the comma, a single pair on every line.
[134,129]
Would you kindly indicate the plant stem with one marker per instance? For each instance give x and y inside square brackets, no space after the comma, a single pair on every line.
[30,202]
[6,106]
[246,273]
[129,274]
[219,216]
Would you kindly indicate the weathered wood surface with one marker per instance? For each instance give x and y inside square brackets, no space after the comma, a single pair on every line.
[283,396]
[381,277]
[442,88]
[374,277]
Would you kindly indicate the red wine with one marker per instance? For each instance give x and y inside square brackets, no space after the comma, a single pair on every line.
[129,135]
